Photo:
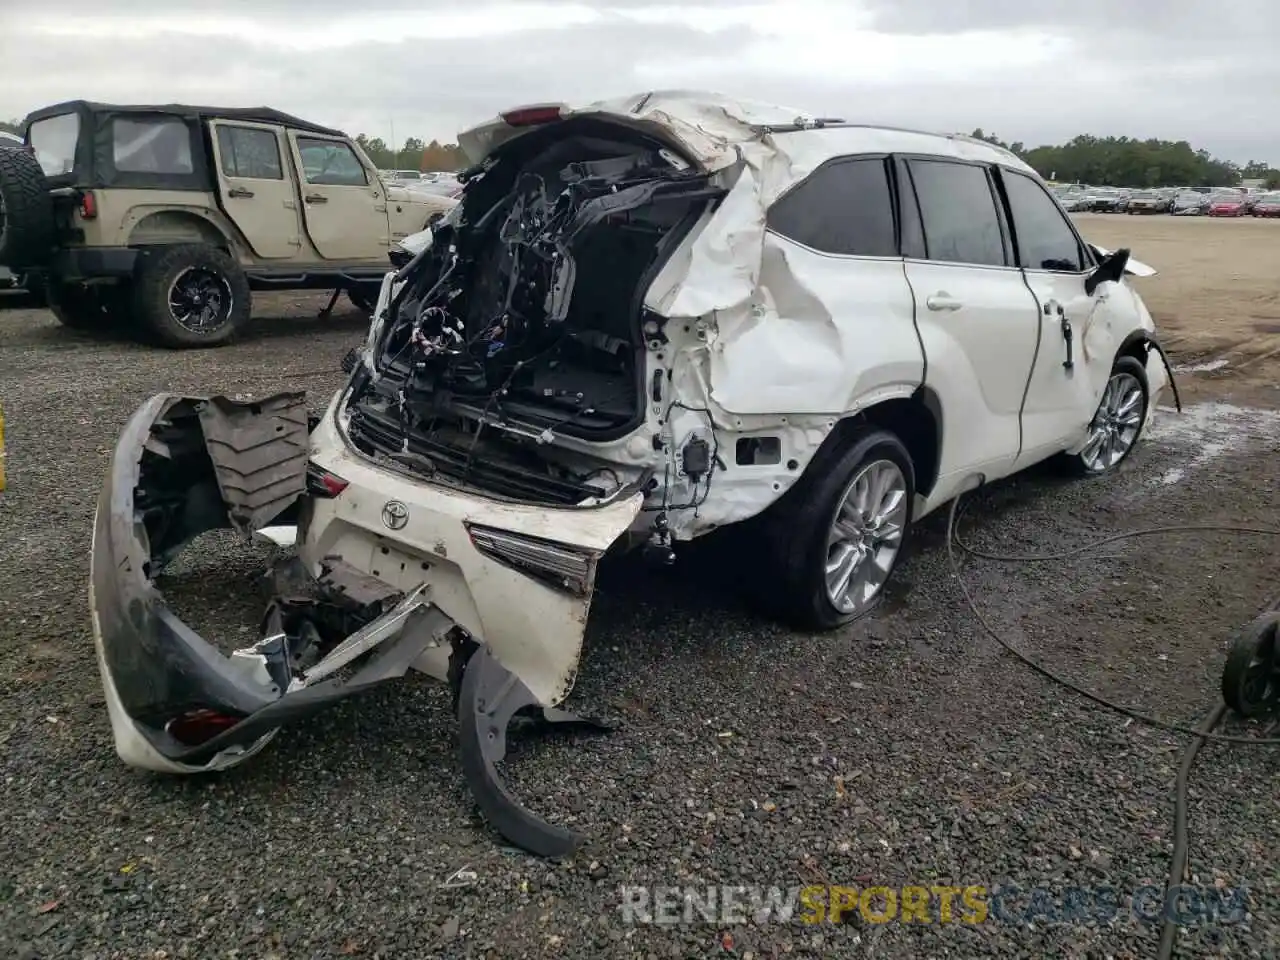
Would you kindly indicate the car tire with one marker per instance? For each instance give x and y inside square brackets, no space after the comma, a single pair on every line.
[801,542]
[361,300]
[1114,426]
[26,211]
[89,307]
[191,295]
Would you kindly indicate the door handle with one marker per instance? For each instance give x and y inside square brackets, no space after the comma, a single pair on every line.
[239,192]
[315,198]
[942,301]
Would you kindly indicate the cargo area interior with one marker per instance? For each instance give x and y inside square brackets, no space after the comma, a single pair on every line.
[527,312]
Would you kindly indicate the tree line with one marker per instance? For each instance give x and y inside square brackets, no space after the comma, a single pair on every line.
[1127,162]
[1099,161]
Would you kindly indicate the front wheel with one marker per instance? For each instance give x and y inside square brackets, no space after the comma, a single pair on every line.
[192,295]
[835,541]
[1118,421]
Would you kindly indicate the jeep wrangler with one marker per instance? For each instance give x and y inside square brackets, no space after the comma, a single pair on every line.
[164,219]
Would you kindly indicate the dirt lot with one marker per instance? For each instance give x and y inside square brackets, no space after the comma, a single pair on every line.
[1216,298]
[909,749]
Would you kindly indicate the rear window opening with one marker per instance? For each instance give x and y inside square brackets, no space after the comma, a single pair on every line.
[526,311]
[54,140]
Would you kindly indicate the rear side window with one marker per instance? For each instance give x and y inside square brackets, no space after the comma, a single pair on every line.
[330,162]
[1044,238]
[151,145]
[250,153]
[844,207]
[958,212]
[54,140]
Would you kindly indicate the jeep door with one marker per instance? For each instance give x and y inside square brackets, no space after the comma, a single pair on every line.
[1055,263]
[254,188]
[343,204]
[977,320]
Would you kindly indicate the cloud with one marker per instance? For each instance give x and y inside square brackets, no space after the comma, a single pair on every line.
[1031,70]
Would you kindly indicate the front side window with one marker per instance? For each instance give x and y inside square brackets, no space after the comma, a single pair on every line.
[844,207]
[331,162]
[1043,236]
[151,145]
[54,140]
[958,213]
[249,153]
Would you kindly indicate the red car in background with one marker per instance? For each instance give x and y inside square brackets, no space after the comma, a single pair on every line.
[1223,205]
[1267,205]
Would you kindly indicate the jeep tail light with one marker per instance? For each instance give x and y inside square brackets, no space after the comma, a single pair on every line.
[533,115]
[558,565]
[323,484]
[88,205]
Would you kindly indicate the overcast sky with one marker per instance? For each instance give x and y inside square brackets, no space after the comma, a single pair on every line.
[1038,71]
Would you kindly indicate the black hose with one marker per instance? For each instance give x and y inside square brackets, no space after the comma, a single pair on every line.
[1178,861]
[953,541]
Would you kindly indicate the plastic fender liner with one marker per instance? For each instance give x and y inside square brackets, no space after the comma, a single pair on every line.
[490,696]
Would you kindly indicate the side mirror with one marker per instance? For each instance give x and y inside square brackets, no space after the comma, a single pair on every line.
[1110,269]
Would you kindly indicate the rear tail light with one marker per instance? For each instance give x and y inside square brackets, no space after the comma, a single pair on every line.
[88,205]
[534,114]
[323,484]
[199,726]
[556,564]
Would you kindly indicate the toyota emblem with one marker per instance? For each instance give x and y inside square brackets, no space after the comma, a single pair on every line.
[395,515]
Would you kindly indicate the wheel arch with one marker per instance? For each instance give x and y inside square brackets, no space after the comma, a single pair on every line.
[168,227]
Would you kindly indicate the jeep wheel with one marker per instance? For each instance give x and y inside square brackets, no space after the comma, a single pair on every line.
[192,296]
[834,540]
[81,307]
[26,211]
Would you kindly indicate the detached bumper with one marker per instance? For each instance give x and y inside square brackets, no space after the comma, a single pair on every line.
[518,578]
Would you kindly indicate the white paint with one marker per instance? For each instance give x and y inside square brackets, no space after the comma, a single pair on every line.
[1204,432]
[284,536]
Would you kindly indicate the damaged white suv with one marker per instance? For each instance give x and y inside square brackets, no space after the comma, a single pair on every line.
[647,319]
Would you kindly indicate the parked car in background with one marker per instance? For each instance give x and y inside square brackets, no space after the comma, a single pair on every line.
[1104,200]
[1267,205]
[164,219]
[1228,204]
[1146,201]
[1189,203]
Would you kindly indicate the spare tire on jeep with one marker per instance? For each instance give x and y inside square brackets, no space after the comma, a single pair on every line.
[26,210]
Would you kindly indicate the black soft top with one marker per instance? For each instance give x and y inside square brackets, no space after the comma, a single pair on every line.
[249,114]
[95,159]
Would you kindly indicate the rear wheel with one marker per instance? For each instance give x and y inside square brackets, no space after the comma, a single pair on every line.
[192,296]
[835,540]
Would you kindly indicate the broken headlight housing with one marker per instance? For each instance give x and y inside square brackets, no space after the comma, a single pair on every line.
[558,565]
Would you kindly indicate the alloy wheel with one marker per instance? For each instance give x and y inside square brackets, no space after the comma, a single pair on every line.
[1115,426]
[200,300]
[865,536]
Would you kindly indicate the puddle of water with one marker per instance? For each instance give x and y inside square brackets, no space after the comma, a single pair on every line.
[1207,431]
[1204,367]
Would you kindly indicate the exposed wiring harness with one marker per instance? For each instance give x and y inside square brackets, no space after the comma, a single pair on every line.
[1178,859]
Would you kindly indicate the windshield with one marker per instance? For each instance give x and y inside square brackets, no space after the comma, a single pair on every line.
[54,141]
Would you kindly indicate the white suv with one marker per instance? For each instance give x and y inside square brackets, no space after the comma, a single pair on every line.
[647,319]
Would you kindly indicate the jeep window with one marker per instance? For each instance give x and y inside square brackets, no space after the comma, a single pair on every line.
[151,145]
[1044,237]
[54,141]
[958,211]
[330,162]
[844,207]
[250,153]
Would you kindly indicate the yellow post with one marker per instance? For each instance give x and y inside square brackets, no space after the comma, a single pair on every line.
[1,449]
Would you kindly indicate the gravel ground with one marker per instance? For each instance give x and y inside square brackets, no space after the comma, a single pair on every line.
[909,749]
